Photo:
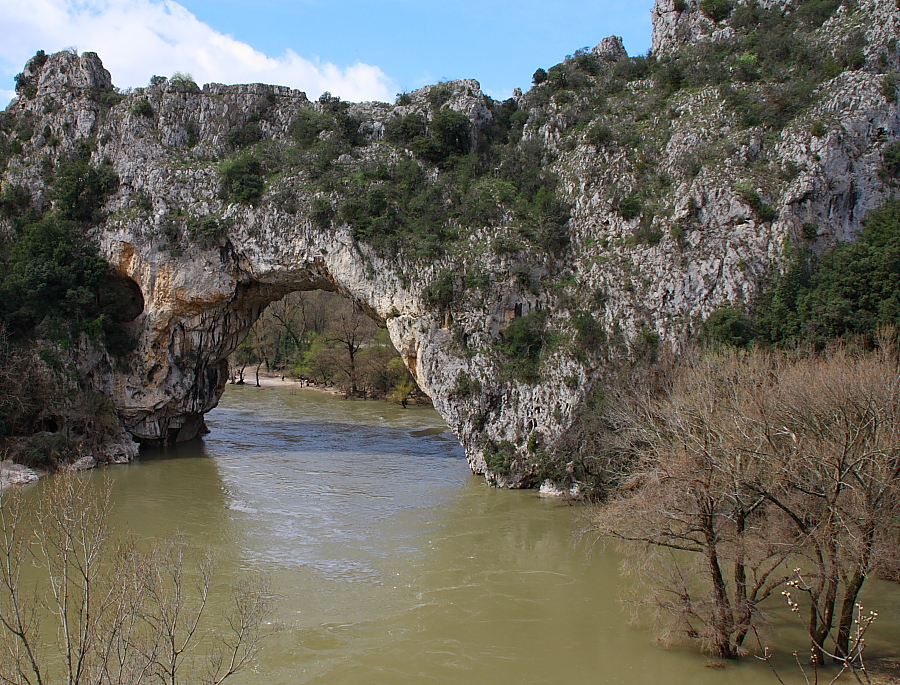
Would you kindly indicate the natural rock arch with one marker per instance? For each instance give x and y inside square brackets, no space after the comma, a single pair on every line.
[199,308]
[620,274]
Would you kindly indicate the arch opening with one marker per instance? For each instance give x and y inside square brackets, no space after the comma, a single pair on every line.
[302,325]
[321,338]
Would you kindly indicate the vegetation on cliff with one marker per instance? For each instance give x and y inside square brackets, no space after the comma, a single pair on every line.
[851,291]
[54,288]
[55,284]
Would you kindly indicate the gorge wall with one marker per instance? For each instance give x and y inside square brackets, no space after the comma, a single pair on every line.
[674,205]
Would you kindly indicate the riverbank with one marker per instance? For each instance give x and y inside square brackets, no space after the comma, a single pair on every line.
[12,474]
[278,381]
[271,380]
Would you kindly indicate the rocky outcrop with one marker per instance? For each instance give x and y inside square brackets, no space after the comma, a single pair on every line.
[12,474]
[637,275]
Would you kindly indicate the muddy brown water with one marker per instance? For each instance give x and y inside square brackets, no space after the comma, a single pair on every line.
[393,564]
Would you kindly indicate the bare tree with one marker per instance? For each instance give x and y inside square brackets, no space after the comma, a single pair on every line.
[350,329]
[689,493]
[122,616]
[761,462]
[290,313]
[834,441]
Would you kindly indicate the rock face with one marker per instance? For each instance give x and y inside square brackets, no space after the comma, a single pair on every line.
[708,245]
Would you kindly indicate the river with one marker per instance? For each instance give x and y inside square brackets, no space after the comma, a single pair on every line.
[393,564]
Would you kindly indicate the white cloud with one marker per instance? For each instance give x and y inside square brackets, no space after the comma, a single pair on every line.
[139,38]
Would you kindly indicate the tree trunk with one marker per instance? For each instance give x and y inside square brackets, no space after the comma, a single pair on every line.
[822,609]
[851,593]
[845,625]
[722,621]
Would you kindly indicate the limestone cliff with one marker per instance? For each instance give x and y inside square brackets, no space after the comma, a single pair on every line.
[676,205]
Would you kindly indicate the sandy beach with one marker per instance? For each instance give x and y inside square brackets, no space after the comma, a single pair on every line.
[279,381]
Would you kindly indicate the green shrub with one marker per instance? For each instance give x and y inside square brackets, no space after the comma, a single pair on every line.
[766,212]
[816,12]
[428,149]
[646,233]
[142,108]
[243,179]
[631,207]
[889,85]
[670,77]
[321,213]
[591,335]
[891,157]
[645,345]
[110,98]
[206,232]
[39,60]
[79,190]
[539,77]
[600,135]
[523,341]
[466,386]
[25,85]
[500,458]
[763,211]
[183,79]
[332,103]
[438,95]
[810,231]
[717,10]
[14,201]
[450,136]
[307,125]
[729,326]
[245,135]
[547,216]
[440,292]
[405,129]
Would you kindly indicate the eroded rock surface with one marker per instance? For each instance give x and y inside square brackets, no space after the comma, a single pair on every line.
[709,246]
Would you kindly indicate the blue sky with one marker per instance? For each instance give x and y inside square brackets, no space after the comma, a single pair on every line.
[358,49]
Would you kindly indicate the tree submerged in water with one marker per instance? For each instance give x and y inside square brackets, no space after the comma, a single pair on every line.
[123,613]
[751,465]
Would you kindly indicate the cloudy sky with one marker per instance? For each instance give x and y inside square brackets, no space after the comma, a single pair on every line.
[358,49]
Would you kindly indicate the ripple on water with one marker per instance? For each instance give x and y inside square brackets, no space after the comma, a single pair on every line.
[392,563]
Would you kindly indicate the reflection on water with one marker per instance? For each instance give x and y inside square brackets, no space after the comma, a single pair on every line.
[393,563]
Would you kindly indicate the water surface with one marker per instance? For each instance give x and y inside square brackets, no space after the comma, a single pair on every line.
[393,564]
